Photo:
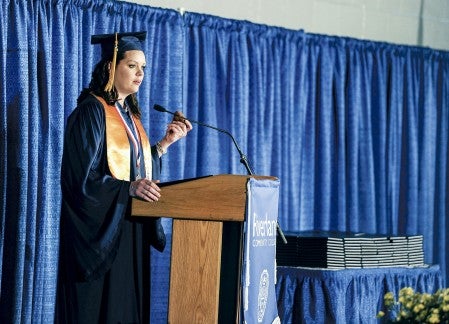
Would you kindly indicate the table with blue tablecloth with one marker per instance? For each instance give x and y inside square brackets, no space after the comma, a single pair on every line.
[311,295]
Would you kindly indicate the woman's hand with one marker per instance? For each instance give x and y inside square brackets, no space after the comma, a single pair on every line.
[177,129]
[145,189]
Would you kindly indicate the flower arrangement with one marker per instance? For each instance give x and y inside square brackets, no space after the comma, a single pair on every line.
[414,307]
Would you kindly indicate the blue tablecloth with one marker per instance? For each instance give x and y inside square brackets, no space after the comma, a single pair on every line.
[345,296]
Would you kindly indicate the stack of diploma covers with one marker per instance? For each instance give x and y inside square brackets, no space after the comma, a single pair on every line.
[341,250]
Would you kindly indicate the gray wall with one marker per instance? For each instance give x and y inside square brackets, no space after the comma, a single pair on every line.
[410,22]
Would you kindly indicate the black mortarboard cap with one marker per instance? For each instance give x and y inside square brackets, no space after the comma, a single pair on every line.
[113,43]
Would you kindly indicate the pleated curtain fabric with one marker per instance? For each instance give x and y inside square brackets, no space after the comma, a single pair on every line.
[45,60]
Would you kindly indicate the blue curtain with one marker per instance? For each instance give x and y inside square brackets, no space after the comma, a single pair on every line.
[356,131]
[45,60]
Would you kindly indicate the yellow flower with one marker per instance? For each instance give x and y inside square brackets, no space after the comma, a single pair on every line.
[414,307]
[389,295]
[434,318]
[380,314]
[388,299]
[406,291]
[418,308]
[426,297]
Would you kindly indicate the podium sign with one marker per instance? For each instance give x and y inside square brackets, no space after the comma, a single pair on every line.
[203,257]
[259,265]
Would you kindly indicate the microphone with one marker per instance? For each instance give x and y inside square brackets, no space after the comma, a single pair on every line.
[243,158]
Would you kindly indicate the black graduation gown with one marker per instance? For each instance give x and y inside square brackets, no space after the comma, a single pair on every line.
[104,258]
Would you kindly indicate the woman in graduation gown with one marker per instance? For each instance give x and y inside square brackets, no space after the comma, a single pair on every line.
[103,274]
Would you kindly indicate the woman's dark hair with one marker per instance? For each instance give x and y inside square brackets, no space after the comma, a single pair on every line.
[100,77]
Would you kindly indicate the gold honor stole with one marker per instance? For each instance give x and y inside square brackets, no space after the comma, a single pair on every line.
[117,144]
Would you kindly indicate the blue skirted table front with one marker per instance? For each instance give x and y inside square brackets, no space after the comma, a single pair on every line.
[307,295]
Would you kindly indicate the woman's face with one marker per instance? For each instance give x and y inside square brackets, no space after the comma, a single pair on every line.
[129,73]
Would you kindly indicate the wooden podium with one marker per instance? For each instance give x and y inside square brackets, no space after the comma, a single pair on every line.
[208,214]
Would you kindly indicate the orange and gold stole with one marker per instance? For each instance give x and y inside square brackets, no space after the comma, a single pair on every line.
[117,144]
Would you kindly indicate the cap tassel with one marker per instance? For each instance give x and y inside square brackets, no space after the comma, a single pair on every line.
[110,83]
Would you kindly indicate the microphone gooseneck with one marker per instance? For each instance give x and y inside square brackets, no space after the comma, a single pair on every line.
[243,158]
